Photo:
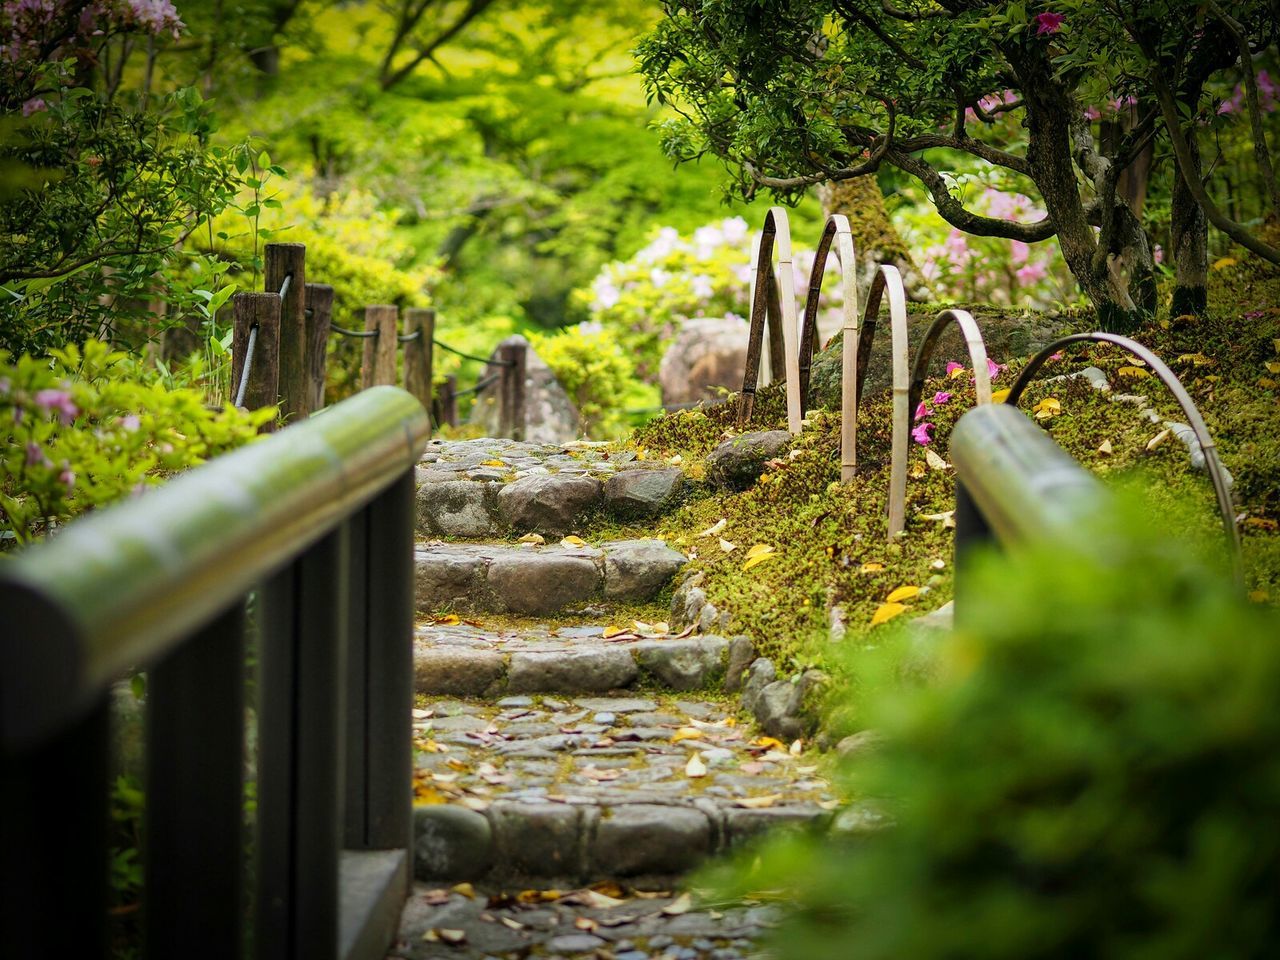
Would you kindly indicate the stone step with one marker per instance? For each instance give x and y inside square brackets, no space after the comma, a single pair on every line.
[529,579]
[566,791]
[488,488]
[472,659]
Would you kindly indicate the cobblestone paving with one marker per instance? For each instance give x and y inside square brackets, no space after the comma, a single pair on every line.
[475,459]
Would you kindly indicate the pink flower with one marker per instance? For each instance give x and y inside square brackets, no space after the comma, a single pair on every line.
[921,433]
[1048,23]
[993,368]
[1031,272]
[940,398]
[1157,253]
[130,423]
[952,367]
[59,401]
[1019,251]
[1056,356]
[34,105]
[921,411]
[36,457]
[67,477]
[1091,113]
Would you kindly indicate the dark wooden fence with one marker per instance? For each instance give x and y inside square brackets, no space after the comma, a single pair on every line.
[316,525]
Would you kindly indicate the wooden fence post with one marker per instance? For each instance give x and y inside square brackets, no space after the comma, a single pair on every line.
[261,310]
[445,407]
[378,365]
[418,353]
[512,356]
[289,260]
[319,315]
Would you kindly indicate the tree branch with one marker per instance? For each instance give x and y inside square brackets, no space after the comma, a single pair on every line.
[427,51]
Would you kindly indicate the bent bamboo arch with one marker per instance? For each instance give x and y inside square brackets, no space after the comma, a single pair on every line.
[776,230]
[973,341]
[1212,462]
[836,228]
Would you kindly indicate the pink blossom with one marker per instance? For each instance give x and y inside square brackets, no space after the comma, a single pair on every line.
[1092,113]
[952,367]
[130,423]
[67,477]
[1123,103]
[36,457]
[1019,251]
[940,398]
[993,368]
[922,411]
[1157,253]
[34,105]
[957,247]
[921,433]
[1048,23]
[1056,356]
[59,401]
[1031,272]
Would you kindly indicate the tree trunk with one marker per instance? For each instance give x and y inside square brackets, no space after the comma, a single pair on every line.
[1189,233]
[874,236]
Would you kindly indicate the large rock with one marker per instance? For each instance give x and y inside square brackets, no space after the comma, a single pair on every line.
[550,414]
[450,843]
[549,504]
[458,671]
[576,671]
[457,508]
[689,664]
[638,569]
[638,494]
[707,353]
[738,463]
[635,839]
[539,839]
[448,577]
[784,709]
[742,653]
[543,582]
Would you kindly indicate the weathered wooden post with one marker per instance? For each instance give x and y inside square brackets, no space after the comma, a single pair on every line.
[319,316]
[418,353]
[378,365]
[445,409]
[512,356]
[260,312]
[288,261]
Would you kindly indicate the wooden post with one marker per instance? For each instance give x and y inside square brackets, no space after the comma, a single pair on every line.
[775,321]
[379,363]
[445,408]
[289,260]
[319,314]
[261,310]
[418,353]
[511,400]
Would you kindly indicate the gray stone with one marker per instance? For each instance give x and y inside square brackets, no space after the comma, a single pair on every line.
[448,577]
[782,709]
[450,843]
[690,664]
[687,601]
[539,839]
[457,508]
[638,569]
[454,672]
[638,839]
[516,702]
[738,463]
[543,581]
[741,654]
[574,943]
[615,704]
[572,671]
[861,744]
[639,494]
[760,674]
[744,824]
[552,505]
[549,414]
[708,353]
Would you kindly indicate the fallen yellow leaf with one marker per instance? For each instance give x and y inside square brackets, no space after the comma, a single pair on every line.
[492,463]
[681,904]
[1132,371]
[572,541]
[533,538]
[1158,439]
[1104,448]
[886,612]
[1266,382]
[1048,407]
[759,549]
[466,889]
[1000,396]
[902,593]
[728,547]
[715,528]
[448,620]
[614,631]
[935,462]
[1273,366]
[1223,263]
[759,558]
[871,567]
[695,767]
[757,803]
[797,748]
[769,743]
[917,472]
[687,733]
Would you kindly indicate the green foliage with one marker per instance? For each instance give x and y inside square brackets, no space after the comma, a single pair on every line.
[85,429]
[1094,771]
[596,371]
[92,237]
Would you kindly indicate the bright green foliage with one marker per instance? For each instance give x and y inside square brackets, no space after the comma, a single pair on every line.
[1094,772]
[596,371]
[85,429]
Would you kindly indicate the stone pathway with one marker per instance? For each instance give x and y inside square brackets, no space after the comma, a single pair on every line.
[570,774]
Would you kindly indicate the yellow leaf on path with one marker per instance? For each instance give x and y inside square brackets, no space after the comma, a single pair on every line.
[1000,396]
[448,620]
[759,550]
[538,896]
[1266,382]
[871,567]
[956,373]
[1132,371]
[614,631]
[797,748]
[757,560]
[916,472]
[695,767]
[902,593]
[1224,262]
[1158,439]
[728,547]
[585,923]
[681,904]
[1048,407]
[492,463]
[1104,448]
[769,743]
[687,733]
[935,462]
[1273,367]
[466,889]
[533,538]
[886,612]
[513,924]
[572,541]
[757,803]
[715,528]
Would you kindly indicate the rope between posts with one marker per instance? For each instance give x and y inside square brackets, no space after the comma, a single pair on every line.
[408,337]
[284,285]
[480,385]
[363,334]
[468,356]
[248,365]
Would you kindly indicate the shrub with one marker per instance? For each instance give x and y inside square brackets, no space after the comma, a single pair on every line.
[80,432]
[595,371]
[1095,772]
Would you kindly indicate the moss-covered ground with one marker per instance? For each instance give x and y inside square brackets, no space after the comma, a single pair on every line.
[829,539]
